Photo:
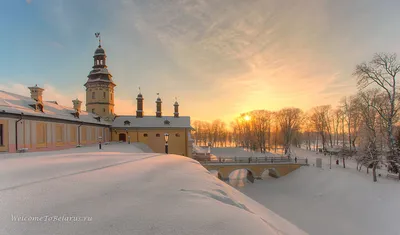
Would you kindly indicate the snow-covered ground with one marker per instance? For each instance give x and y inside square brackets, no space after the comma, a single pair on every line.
[331,201]
[123,190]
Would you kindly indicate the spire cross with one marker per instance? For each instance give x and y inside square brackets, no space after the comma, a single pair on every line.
[99,37]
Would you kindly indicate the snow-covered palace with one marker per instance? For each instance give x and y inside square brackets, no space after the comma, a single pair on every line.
[32,124]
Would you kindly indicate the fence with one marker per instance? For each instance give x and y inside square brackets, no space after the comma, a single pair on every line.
[257,160]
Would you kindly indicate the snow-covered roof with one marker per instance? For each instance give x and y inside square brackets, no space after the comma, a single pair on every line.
[17,104]
[100,71]
[152,122]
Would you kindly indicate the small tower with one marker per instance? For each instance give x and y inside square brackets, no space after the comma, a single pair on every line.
[100,86]
[158,102]
[139,110]
[37,93]
[176,108]
[77,105]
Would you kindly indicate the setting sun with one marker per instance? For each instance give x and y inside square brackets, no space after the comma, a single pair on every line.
[247,118]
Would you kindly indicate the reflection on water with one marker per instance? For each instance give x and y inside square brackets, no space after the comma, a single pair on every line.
[240,178]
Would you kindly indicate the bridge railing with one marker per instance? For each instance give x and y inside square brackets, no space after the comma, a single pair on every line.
[242,160]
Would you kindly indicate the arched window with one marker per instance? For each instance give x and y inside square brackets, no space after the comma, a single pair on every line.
[127,123]
[93,95]
[157,135]
[101,62]
[178,135]
[104,95]
[145,135]
[97,62]
[104,110]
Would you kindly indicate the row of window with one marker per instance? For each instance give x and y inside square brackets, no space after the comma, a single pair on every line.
[104,110]
[158,135]
[99,62]
[104,95]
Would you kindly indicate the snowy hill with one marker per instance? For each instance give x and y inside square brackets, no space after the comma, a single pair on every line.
[125,191]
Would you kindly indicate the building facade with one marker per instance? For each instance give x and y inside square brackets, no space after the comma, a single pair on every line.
[32,124]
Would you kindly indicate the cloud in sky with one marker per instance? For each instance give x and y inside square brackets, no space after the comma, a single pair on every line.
[221,57]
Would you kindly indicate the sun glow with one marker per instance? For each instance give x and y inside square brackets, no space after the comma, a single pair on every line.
[247,118]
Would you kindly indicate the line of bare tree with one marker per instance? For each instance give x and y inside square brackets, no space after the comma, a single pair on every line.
[362,125]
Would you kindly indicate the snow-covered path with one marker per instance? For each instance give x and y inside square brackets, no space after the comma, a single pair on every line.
[331,202]
[124,191]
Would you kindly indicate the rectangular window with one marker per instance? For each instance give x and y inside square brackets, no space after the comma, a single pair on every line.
[83,130]
[73,134]
[92,110]
[93,95]
[1,135]
[104,95]
[93,134]
[59,133]
[41,133]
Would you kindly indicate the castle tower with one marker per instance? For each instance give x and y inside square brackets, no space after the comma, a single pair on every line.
[100,86]
[158,106]
[139,107]
[176,109]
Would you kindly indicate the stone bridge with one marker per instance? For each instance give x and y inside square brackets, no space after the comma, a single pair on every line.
[254,170]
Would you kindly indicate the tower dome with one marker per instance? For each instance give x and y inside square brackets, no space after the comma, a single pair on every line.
[99,51]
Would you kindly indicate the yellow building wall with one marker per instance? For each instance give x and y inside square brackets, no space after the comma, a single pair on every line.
[154,138]
[4,147]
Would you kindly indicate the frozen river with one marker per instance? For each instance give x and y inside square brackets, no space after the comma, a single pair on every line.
[329,201]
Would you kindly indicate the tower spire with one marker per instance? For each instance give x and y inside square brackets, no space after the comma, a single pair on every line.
[99,37]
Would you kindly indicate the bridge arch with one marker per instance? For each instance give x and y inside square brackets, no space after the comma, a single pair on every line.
[217,174]
[271,172]
[250,175]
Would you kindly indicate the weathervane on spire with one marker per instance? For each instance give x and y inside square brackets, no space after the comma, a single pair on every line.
[99,37]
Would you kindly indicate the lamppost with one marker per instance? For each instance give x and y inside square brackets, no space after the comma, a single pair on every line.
[166,137]
[100,141]
[209,147]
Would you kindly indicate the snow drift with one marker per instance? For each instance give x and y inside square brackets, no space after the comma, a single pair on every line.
[126,193]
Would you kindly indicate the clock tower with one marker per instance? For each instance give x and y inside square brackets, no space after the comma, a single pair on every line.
[100,86]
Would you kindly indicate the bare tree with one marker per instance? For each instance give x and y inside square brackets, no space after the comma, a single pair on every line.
[289,120]
[382,71]
[260,122]
[366,101]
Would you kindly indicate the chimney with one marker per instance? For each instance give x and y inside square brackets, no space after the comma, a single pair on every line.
[139,110]
[77,105]
[158,102]
[176,108]
[37,93]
